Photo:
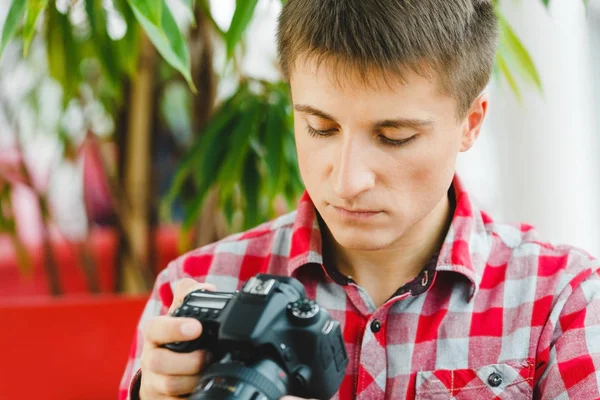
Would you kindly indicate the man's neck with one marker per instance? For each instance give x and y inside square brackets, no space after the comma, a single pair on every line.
[382,272]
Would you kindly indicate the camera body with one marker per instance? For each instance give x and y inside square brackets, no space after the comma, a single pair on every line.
[267,340]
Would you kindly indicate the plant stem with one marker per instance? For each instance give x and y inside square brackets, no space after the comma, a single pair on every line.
[89,267]
[207,229]
[50,263]
[136,176]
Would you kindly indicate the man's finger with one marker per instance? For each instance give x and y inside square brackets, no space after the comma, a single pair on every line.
[171,385]
[184,287]
[167,362]
[166,329]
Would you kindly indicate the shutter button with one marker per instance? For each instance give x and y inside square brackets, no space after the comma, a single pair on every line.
[375,326]
[495,379]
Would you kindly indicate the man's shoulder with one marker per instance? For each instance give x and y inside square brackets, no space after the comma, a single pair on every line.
[244,253]
[258,233]
[526,255]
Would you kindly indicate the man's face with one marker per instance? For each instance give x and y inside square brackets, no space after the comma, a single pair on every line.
[377,160]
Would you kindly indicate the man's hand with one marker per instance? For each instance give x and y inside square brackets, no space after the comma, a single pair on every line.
[167,374]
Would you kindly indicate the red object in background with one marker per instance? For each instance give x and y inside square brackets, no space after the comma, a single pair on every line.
[71,348]
[103,246]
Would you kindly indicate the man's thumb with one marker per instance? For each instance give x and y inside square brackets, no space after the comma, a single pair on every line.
[186,286]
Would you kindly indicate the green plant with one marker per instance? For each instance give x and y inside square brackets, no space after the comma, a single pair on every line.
[124,73]
[260,166]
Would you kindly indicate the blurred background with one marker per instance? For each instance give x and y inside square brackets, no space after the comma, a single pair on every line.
[117,119]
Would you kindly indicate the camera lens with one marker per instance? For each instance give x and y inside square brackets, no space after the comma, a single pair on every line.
[264,380]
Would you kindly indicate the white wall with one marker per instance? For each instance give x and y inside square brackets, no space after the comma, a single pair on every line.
[538,163]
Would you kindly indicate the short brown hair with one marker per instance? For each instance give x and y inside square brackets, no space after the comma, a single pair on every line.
[454,40]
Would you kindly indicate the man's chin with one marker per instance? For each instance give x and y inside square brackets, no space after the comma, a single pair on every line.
[359,241]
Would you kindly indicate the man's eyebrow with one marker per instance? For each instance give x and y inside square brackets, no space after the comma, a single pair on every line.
[404,123]
[399,123]
[313,111]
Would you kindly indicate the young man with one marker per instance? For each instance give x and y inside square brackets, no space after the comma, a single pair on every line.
[436,300]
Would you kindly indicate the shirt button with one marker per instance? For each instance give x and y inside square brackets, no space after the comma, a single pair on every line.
[495,379]
[375,326]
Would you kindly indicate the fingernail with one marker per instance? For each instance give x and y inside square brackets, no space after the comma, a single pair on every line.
[204,286]
[190,329]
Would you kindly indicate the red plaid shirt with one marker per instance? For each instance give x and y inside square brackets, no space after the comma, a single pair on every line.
[503,315]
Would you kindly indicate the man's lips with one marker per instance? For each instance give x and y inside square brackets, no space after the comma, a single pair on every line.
[356,213]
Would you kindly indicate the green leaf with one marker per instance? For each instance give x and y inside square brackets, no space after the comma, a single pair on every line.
[515,53]
[128,46]
[168,40]
[231,170]
[509,77]
[151,9]
[62,53]
[218,154]
[93,10]
[250,189]
[102,43]
[228,210]
[244,10]
[13,19]
[216,124]
[34,9]
[274,146]
[204,153]
[205,178]
[546,3]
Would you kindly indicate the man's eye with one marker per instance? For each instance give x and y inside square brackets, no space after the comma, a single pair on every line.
[381,138]
[318,132]
[394,142]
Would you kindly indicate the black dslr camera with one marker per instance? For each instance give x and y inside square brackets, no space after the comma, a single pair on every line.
[266,341]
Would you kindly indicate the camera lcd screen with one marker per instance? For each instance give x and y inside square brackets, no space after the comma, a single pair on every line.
[208,303]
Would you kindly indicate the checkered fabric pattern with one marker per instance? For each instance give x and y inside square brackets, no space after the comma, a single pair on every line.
[506,316]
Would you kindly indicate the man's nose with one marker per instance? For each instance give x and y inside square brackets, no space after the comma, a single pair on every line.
[351,173]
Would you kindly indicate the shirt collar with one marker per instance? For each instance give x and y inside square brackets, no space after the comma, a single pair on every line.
[467,245]
[465,249]
[306,246]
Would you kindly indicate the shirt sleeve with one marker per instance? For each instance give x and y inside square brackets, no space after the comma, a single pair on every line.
[158,304]
[568,353]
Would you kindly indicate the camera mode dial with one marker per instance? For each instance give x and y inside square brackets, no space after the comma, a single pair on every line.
[304,311]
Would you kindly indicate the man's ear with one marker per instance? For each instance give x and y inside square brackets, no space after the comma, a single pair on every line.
[473,122]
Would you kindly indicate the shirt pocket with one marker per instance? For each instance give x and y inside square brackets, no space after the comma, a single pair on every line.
[511,380]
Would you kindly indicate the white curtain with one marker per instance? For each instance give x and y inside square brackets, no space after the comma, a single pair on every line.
[538,163]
